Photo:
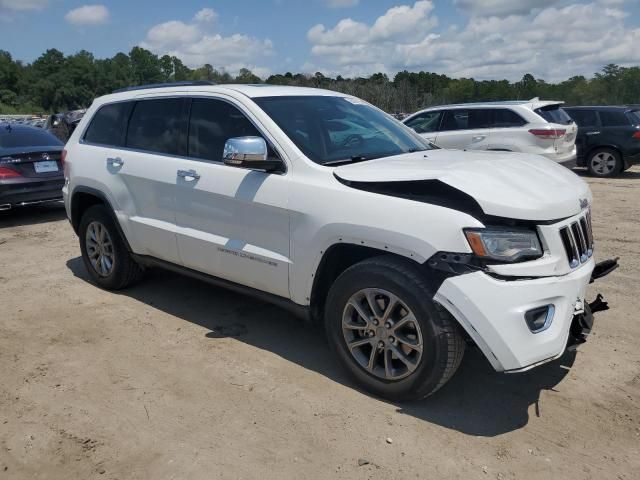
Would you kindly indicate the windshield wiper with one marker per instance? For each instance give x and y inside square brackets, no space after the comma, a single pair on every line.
[343,161]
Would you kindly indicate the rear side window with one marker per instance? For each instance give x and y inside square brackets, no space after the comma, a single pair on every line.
[584,118]
[505,118]
[463,119]
[425,122]
[159,126]
[612,118]
[212,123]
[634,115]
[108,126]
[23,137]
[554,114]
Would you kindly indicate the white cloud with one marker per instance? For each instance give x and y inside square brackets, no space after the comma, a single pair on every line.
[88,15]
[196,44]
[553,43]
[342,3]
[502,8]
[396,23]
[9,8]
[205,15]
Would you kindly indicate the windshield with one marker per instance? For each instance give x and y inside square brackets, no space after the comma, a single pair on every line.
[334,130]
[554,114]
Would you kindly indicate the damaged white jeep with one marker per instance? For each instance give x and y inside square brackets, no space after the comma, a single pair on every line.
[325,205]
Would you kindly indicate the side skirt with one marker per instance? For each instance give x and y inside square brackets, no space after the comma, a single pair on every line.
[300,311]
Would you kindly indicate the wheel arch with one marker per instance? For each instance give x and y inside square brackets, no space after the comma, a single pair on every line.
[616,148]
[84,198]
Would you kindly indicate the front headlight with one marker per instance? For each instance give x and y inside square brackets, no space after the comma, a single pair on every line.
[504,245]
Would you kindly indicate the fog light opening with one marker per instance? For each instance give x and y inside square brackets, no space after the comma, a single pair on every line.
[540,318]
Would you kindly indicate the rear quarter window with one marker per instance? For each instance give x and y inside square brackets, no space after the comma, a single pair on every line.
[109,125]
[505,118]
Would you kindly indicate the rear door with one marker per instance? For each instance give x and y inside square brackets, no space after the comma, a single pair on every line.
[589,129]
[233,222]
[465,129]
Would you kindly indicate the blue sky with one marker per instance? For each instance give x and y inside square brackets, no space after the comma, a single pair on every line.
[553,39]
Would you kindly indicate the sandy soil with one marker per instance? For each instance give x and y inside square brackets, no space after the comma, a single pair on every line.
[177,379]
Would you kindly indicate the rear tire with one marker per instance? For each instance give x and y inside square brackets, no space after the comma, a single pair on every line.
[104,252]
[381,363]
[604,163]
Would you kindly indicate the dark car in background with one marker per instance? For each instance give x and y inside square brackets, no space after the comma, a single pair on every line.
[608,139]
[31,166]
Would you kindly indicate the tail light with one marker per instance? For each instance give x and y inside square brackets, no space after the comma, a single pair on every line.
[548,134]
[63,157]
[6,173]
[636,135]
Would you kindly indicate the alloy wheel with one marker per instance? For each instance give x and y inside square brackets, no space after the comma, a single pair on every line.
[603,163]
[100,249]
[382,334]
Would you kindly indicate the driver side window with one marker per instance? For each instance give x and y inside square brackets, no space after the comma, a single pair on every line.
[211,124]
[426,122]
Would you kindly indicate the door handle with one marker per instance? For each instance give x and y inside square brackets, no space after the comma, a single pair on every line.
[592,133]
[115,162]
[478,138]
[188,174]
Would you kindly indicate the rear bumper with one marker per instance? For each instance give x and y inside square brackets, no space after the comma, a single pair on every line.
[492,311]
[25,191]
[566,160]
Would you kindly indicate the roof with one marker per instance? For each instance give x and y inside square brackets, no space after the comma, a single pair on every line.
[623,108]
[6,128]
[251,91]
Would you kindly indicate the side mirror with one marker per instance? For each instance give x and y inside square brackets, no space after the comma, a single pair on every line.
[249,152]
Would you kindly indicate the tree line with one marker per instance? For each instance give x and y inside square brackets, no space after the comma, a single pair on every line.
[55,82]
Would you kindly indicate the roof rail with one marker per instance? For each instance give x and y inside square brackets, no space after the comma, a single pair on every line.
[196,83]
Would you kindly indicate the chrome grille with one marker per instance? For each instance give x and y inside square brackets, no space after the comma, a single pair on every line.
[577,239]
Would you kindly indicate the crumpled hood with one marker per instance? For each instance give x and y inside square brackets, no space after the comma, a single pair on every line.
[505,184]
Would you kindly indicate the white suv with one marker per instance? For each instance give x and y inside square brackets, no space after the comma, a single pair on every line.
[327,206]
[534,126]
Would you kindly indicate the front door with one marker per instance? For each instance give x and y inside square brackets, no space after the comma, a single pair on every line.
[233,223]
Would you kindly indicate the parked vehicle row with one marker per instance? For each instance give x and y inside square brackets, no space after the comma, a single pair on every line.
[325,205]
[606,140]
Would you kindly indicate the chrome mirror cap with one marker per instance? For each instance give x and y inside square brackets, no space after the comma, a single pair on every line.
[244,149]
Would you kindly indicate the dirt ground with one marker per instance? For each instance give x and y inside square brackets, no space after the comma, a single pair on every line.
[175,379]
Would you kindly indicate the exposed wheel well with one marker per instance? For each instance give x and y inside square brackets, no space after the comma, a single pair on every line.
[335,261]
[600,147]
[80,202]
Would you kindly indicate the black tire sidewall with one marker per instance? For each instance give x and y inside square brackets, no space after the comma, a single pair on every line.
[117,278]
[429,373]
[618,168]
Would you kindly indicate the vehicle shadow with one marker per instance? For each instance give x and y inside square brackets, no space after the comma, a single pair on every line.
[626,175]
[477,401]
[34,215]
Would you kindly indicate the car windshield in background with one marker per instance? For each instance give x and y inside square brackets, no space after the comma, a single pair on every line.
[554,114]
[27,137]
[334,130]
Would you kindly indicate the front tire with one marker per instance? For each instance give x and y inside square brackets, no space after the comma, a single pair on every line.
[604,163]
[104,253]
[388,333]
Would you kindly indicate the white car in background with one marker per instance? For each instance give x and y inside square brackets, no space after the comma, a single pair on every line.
[534,126]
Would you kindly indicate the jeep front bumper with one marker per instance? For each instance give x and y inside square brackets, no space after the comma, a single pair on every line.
[493,310]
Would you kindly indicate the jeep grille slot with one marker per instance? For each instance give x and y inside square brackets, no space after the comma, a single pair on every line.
[577,239]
